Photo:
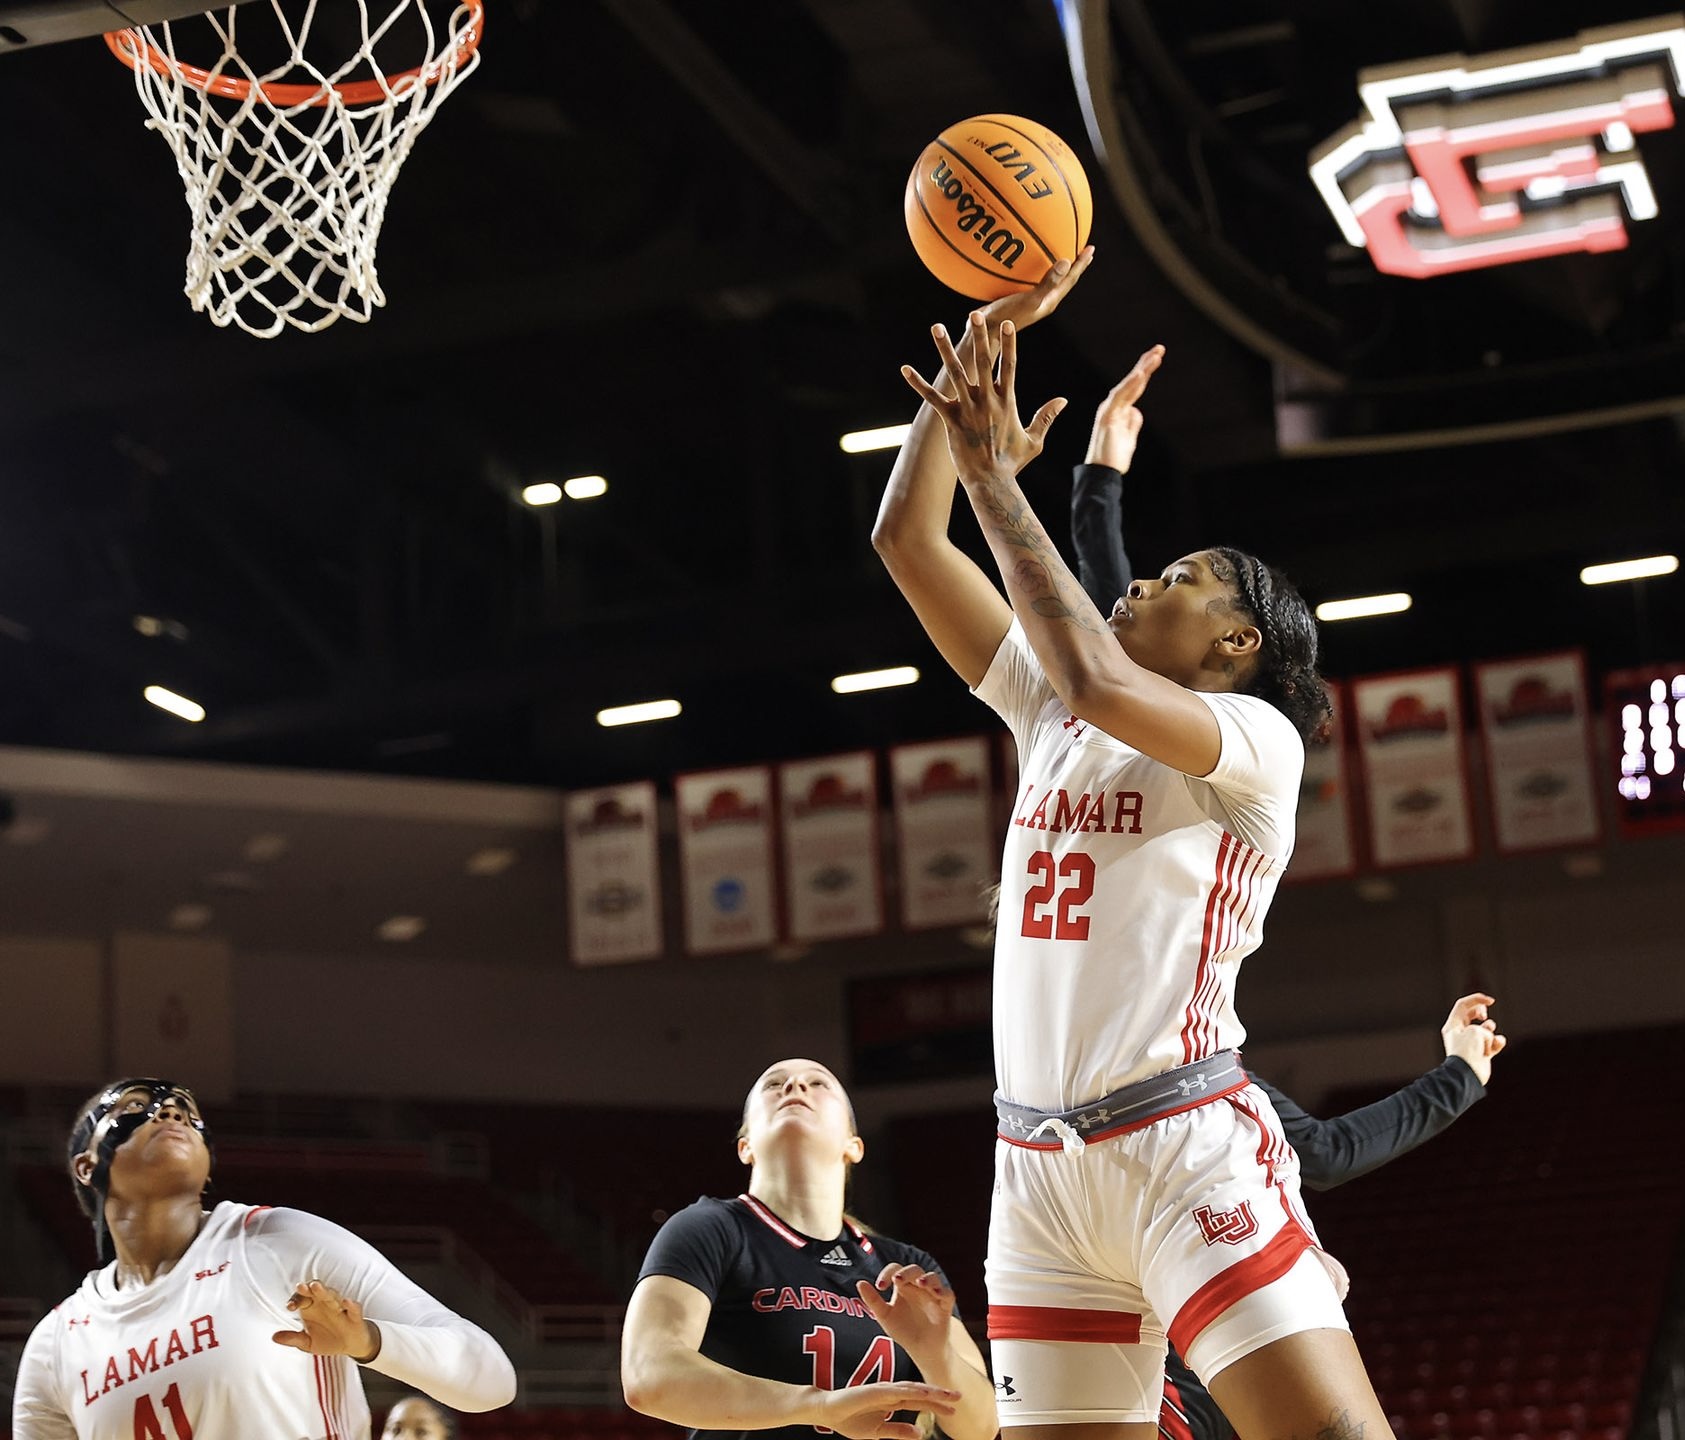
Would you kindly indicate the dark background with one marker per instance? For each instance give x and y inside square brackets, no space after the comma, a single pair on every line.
[662,242]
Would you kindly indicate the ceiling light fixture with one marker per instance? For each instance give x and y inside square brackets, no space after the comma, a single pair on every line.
[637,714]
[178,705]
[885,437]
[875,679]
[1645,569]
[400,927]
[1363,605]
[493,860]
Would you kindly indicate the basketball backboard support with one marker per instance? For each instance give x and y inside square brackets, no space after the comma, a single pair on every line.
[27,23]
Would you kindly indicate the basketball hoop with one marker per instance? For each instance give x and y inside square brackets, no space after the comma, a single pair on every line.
[288,169]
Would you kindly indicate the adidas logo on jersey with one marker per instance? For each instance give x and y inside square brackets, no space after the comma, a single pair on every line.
[836,1255]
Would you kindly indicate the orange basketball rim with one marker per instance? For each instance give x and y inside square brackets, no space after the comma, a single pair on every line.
[134,49]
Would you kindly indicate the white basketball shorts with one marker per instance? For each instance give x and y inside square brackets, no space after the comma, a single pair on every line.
[1188,1230]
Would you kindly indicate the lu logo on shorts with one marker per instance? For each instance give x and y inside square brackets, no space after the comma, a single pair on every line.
[1227,1227]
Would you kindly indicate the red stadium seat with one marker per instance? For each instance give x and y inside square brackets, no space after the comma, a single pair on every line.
[1610,1415]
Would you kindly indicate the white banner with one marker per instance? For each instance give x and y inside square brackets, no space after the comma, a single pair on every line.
[1536,722]
[726,861]
[172,1011]
[1327,844]
[945,839]
[832,883]
[1410,736]
[614,874]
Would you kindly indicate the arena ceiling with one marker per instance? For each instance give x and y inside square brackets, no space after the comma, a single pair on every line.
[662,242]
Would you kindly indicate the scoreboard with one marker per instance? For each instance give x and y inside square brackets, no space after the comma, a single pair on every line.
[1646,708]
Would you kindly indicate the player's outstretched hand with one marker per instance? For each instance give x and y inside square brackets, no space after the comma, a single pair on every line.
[1024,307]
[333,1324]
[913,1306]
[985,435]
[1472,1036]
[1117,423]
[866,1412]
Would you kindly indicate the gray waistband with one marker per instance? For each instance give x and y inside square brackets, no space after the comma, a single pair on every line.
[1130,1108]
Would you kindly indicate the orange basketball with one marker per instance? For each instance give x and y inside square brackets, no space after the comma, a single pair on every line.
[993,202]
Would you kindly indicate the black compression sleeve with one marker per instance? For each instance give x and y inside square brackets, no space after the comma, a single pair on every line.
[1332,1152]
[1097,533]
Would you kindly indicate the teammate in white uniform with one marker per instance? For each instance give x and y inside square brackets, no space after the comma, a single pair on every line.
[192,1328]
[1161,751]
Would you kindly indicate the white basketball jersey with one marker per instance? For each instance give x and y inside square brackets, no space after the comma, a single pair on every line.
[192,1354]
[1130,892]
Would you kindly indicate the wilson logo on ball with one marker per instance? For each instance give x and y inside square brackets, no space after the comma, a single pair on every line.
[994,202]
[970,218]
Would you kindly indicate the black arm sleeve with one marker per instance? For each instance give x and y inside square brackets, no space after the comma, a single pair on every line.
[1332,1152]
[1097,533]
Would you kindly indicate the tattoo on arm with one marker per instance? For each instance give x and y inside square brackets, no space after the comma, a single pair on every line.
[1341,1426]
[1041,577]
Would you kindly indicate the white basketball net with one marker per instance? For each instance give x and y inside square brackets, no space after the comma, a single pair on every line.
[287,177]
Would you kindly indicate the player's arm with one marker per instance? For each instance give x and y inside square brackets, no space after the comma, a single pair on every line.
[955,601]
[1332,1152]
[38,1411]
[349,1299]
[1097,488]
[665,1374]
[1087,668]
[915,1307]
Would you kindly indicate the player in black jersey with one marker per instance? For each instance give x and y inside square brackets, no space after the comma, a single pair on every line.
[775,1311]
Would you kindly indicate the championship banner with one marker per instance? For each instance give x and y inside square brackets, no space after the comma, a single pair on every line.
[1537,726]
[945,837]
[1410,738]
[832,883]
[726,864]
[614,874]
[1326,846]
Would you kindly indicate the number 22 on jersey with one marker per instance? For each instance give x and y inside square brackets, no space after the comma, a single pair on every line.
[878,1364]
[1057,890]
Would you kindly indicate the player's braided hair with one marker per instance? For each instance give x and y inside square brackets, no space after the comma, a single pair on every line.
[1286,671]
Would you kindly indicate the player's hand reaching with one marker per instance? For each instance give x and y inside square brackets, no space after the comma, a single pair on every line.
[866,1412]
[985,435]
[1117,423]
[1021,308]
[333,1324]
[1472,1036]
[914,1307]
[1024,307]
